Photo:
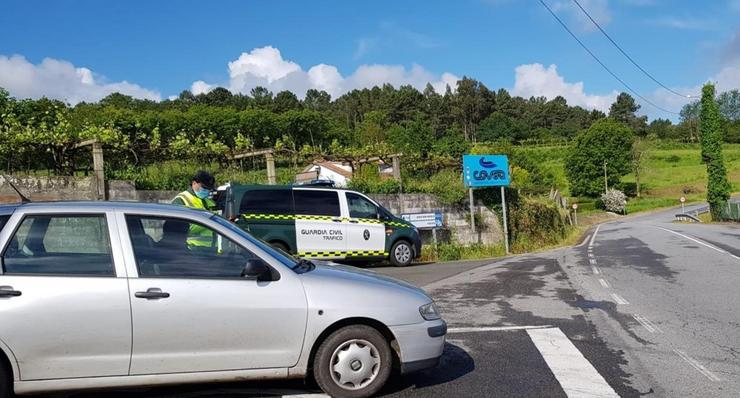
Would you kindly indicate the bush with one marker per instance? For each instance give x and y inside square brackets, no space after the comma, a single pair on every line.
[614,200]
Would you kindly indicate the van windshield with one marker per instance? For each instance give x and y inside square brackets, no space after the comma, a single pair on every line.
[284,258]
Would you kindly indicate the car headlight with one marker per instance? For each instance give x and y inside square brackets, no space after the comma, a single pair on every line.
[429,312]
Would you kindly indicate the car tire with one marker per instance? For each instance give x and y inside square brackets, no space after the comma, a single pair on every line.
[401,253]
[353,362]
[6,382]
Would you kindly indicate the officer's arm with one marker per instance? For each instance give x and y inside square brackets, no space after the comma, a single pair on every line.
[178,201]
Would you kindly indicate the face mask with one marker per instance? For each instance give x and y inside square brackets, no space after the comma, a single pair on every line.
[202,193]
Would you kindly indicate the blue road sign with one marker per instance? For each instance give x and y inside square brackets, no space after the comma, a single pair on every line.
[486,171]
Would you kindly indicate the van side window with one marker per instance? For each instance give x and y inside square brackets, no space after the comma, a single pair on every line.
[64,245]
[316,203]
[267,201]
[360,207]
[3,220]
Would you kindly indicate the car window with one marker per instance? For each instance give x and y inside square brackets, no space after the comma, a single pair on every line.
[64,245]
[267,201]
[318,203]
[360,207]
[167,247]
[3,220]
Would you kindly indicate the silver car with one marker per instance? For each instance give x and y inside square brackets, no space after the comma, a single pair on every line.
[104,294]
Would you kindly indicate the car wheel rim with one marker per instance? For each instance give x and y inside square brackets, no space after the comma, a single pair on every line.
[402,253]
[354,364]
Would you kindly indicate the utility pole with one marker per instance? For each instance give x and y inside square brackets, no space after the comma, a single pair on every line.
[606,184]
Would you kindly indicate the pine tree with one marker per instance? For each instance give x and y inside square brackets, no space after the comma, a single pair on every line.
[718,187]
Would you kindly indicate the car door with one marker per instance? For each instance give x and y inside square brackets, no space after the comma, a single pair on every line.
[319,228]
[64,306]
[192,310]
[365,231]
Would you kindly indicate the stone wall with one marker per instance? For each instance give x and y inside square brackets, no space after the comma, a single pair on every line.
[455,219]
[48,188]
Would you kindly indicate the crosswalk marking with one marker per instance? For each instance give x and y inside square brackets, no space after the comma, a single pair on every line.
[574,372]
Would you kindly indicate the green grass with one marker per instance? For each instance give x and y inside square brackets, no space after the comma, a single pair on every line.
[671,170]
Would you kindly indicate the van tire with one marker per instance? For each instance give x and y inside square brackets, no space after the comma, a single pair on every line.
[281,246]
[6,382]
[401,253]
[363,340]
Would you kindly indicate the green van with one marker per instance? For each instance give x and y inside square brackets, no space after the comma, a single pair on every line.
[321,223]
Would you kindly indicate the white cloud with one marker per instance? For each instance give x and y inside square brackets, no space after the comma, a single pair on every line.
[267,68]
[61,80]
[201,87]
[534,80]
[598,9]
[690,23]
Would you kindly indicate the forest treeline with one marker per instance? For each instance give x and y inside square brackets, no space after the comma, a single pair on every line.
[41,134]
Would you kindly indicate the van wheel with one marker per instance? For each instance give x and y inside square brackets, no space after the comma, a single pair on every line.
[353,362]
[6,382]
[280,246]
[401,254]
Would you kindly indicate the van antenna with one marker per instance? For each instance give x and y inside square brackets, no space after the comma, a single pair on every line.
[24,199]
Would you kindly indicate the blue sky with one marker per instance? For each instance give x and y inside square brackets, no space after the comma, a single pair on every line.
[82,50]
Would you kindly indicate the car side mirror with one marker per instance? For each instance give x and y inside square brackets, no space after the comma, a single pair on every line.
[256,270]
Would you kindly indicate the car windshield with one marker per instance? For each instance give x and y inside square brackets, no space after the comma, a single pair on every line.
[286,259]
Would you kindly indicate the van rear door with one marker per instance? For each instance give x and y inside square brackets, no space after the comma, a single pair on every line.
[320,232]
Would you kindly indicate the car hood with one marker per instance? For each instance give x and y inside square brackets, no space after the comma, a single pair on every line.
[351,273]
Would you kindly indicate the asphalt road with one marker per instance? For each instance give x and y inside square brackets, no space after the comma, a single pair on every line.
[644,307]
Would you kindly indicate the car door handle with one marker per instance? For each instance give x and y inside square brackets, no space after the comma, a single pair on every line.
[7,291]
[337,220]
[152,293]
[353,221]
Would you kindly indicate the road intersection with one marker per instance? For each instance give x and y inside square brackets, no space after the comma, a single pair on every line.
[644,306]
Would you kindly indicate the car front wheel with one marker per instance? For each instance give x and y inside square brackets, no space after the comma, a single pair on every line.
[353,362]
[6,382]
[401,254]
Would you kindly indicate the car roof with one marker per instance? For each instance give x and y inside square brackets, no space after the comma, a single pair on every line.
[87,205]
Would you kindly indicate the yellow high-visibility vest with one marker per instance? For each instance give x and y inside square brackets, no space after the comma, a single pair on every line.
[198,236]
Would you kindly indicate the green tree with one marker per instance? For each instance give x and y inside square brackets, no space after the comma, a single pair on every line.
[624,110]
[606,144]
[710,126]
[286,101]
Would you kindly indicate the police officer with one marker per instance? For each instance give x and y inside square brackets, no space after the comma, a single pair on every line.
[197,197]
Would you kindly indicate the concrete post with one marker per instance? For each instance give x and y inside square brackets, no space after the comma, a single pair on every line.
[98,168]
[271,176]
[396,168]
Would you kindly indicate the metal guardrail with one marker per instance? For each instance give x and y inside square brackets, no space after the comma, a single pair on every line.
[687,217]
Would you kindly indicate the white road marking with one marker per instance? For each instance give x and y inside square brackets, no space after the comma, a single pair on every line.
[701,243]
[574,372]
[584,241]
[604,283]
[493,328]
[594,235]
[647,324]
[590,255]
[592,261]
[619,299]
[595,270]
[696,365]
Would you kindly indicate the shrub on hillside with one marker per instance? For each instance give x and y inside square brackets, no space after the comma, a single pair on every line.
[614,200]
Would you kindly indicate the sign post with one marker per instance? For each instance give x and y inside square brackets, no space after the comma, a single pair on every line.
[575,213]
[683,200]
[488,171]
[426,221]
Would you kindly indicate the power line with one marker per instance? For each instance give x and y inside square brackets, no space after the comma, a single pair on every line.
[601,63]
[628,57]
